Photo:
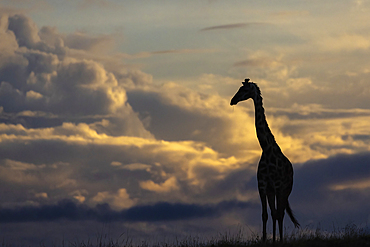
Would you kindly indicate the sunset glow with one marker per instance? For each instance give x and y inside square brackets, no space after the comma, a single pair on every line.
[122,108]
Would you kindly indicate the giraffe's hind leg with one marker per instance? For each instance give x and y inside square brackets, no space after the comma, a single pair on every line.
[281,205]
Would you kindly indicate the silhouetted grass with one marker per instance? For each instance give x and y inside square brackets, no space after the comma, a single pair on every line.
[350,235]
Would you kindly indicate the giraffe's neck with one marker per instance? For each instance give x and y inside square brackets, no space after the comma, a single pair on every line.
[264,134]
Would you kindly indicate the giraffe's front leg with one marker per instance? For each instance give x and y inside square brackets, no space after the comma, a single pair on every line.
[264,213]
[271,201]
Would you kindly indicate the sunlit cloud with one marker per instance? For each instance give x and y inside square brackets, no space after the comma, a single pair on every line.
[79,195]
[260,62]
[137,166]
[119,200]
[343,42]
[167,186]
[41,195]
[194,164]
[356,185]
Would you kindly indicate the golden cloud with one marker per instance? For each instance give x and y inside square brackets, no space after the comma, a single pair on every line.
[117,201]
[343,42]
[352,185]
[167,186]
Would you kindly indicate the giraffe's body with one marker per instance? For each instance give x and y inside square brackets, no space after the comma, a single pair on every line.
[275,172]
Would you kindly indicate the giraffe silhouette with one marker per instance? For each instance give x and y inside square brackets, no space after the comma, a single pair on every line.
[275,172]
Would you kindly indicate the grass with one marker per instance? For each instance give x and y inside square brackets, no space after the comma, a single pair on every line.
[350,235]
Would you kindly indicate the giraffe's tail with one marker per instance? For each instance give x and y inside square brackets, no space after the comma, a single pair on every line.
[291,215]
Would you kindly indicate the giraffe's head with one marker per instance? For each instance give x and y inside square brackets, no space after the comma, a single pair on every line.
[247,91]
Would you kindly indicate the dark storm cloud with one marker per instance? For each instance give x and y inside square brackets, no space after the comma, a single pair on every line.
[178,211]
[322,173]
[163,116]
[325,190]
[232,26]
[314,178]
[161,211]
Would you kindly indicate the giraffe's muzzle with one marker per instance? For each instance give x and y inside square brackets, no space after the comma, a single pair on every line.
[234,101]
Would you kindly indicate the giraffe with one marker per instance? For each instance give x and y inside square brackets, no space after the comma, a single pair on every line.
[274,172]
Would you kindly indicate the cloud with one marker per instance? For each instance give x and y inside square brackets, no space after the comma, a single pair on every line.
[4,10]
[285,77]
[167,186]
[232,131]
[192,165]
[310,103]
[16,165]
[355,184]
[341,168]
[37,75]
[232,26]
[74,87]
[79,195]
[344,42]
[263,65]
[138,138]
[260,62]
[317,111]
[41,195]
[83,41]
[168,212]
[336,186]
[193,113]
[84,4]
[119,200]
[163,52]
[24,30]
[162,211]
[139,165]
[291,13]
